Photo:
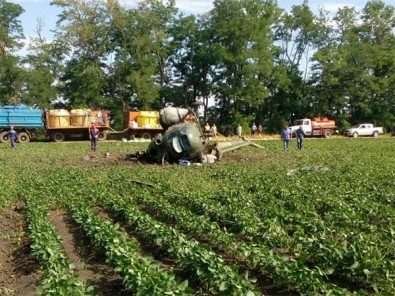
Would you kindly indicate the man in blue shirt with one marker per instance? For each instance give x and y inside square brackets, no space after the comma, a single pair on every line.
[13,136]
[286,136]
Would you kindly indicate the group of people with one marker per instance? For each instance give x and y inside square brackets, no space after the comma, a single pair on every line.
[286,136]
[210,131]
[256,129]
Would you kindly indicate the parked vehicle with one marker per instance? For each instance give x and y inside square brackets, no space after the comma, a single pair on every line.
[62,124]
[142,124]
[59,123]
[364,129]
[316,127]
[24,119]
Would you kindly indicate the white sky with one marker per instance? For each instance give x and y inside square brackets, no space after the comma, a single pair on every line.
[41,9]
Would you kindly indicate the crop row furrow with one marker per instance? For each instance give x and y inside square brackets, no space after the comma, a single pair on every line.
[58,276]
[205,265]
[141,274]
[356,261]
[284,272]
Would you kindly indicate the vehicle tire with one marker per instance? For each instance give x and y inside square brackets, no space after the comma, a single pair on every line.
[376,134]
[355,135]
[102,135]
[58,136]
[146,136]
[4,137]
[327,133]
[23,137]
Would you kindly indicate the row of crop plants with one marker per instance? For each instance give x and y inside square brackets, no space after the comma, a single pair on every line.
[283,230]
[346,230]
[344,253]
[200,262]
[285,215]
[141,274]
[284,272]
[58,272]
[288,220]
[263,239]
[260,258]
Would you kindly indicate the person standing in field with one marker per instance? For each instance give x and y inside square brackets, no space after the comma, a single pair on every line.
[260,129]
[299,137]
[286,136]
[239,131]
[94,136]
[214,130]
[207,130]
[13,136]
[253,130]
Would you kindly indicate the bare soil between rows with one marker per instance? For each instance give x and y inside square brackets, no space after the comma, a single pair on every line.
[19,273]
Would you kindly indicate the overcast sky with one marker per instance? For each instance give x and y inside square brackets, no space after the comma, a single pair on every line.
[41,9]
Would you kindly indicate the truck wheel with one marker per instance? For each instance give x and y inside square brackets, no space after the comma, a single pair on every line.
[327,133]
[146,136]
[376,134]
[355,135]
[23,137]
[58,136]
[4,137]
[102,135]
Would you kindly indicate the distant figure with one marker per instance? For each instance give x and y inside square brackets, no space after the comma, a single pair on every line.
[13,136]
[94,136]
[253,130]
[299,137]
[214,130]
[207,130]
[239,131]
[260,129]
[286,136]
[229,131]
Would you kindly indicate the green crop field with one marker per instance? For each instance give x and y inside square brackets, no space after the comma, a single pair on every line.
[320,221]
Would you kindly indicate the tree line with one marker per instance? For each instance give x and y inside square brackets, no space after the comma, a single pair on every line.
[246,60]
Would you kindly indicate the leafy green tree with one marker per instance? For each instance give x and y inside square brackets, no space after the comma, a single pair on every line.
[295,33]
[43,68]
[355,68]
[244,52]
[84,28]
[142,48]
[11,34]
[194,61]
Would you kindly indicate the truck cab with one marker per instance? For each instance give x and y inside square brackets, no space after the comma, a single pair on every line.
[305,124]
[316,127]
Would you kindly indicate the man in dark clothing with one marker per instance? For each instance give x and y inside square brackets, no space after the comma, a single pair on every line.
[13,136]
[94,136]
[299,137]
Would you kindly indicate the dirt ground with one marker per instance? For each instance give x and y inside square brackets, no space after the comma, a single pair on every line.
[19,272]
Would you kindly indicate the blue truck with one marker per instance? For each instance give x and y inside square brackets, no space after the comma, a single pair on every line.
[25,120]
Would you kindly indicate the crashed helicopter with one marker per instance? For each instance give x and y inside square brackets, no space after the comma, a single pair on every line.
[183,140]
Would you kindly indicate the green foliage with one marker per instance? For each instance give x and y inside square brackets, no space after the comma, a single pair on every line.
[302,219]
[270,64]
